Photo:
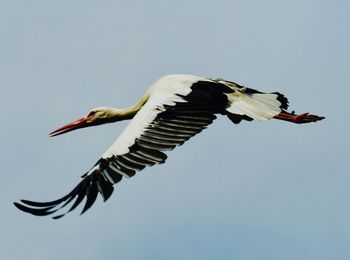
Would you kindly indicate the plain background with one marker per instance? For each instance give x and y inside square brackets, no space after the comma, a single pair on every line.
[259,190]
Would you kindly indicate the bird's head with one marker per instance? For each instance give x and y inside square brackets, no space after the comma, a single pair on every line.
[96,116]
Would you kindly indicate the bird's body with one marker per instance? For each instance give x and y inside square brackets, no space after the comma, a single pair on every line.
[173,109]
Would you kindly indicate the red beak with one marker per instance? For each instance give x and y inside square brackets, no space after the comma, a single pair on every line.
[80,123]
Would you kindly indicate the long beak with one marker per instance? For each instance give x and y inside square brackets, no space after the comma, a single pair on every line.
[80,123]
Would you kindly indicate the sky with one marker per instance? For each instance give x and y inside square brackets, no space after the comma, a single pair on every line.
[258,190]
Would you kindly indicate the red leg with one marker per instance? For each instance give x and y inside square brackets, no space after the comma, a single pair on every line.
[298,119]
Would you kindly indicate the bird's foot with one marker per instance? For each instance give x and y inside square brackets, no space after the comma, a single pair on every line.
[298,119]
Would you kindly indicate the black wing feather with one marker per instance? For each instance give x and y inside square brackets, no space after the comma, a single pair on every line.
[37,212]
[91,195]
[105,188]
[88,187]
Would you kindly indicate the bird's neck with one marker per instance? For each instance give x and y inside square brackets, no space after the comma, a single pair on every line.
[129,112]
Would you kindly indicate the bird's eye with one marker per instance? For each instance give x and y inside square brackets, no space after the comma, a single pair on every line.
[92,113]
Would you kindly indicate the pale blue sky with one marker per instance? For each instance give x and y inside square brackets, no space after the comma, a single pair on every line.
[259,190]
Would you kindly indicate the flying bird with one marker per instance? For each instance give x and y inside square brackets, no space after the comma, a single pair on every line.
[173,109]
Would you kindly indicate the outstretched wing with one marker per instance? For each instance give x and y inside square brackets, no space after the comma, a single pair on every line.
[175,111]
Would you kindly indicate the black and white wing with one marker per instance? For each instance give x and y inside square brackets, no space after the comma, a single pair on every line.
[178,108]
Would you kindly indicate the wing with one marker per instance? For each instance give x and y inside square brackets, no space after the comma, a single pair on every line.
[170,117]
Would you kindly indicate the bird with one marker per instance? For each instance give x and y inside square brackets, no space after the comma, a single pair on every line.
[173,109]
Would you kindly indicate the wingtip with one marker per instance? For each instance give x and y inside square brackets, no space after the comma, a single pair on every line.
[21,207]
[17,205]
[88,188]
[58,216]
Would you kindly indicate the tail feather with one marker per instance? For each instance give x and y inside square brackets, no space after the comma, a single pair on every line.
[258,106]
[250,104]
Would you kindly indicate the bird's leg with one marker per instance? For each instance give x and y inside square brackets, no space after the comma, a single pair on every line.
[298,119]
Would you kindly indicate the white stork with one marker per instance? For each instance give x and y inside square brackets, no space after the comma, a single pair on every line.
[173,109]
